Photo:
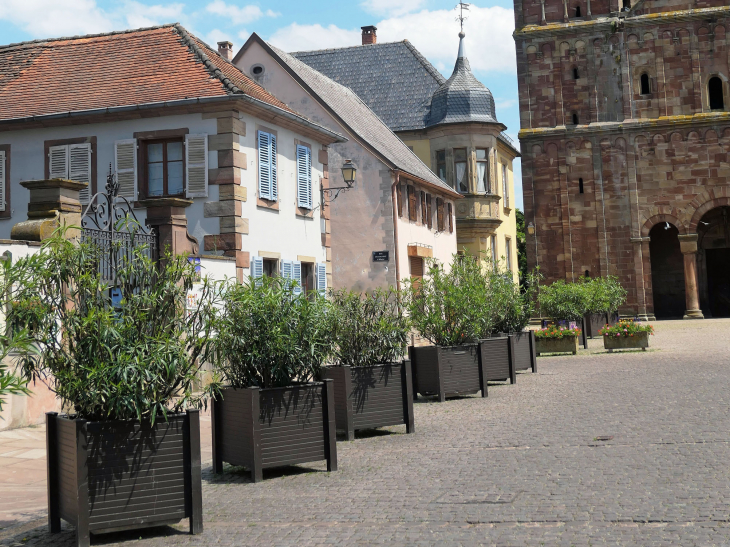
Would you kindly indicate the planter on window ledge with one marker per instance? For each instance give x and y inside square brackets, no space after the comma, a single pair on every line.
[447,371]
[370,397]
[639,340]
[498,359]
[567,344]
[274,427]
[525,355]
[109,476]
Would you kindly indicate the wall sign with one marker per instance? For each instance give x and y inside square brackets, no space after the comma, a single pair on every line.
[381,256]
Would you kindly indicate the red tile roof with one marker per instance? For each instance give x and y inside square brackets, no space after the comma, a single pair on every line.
[117,69]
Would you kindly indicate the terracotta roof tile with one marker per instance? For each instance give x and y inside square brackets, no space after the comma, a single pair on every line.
[117,69]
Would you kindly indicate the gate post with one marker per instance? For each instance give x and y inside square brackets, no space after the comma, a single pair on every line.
[167,217]
[52,204]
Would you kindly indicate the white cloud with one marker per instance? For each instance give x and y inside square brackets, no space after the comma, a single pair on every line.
[236,15]
[215,36]
[140,15]
[489,43]
[297,37]
[391,8]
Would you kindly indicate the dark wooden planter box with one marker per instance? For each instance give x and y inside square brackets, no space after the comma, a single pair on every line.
[498,359]
[567,344]
[264,428]
[447,371]
[525,356]
[594,322]
[369,397]
[112,476]
[637,341]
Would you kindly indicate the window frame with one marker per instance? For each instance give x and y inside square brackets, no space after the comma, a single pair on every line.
[466,170]
[642,91]
[485,161]
[7,213]
[710,94]
[505,185]
[297,145]
[439,214]
[493,249]
[441,163]
[275,268]
[144,190]
[429,211]
[412,205]
[508,252]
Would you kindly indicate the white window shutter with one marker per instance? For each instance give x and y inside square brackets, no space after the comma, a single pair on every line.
[286,269]
[264,165]
[196,159]
[304,177]
[79,168]
[2,180]
[125,161]
[322,278]
[274,183]
[257,269]
[296,274]
[58,162]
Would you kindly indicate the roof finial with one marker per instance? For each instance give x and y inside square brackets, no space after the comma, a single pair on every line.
[462,6]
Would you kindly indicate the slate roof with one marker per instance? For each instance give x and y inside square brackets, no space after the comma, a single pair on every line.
[358,118]
[133,67]
[462,98]
[393,79]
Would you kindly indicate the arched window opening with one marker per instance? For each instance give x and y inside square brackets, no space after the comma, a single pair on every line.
[627,5]
[588,274]
[575,118]
[577,11]
[715,89]
[580,186]
[645,86]
[575,73]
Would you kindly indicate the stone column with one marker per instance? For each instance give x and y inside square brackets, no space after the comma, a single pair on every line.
[167,217]
[641,244]
[688,246]
[53,203]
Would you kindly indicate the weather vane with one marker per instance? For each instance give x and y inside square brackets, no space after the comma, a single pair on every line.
[462,6]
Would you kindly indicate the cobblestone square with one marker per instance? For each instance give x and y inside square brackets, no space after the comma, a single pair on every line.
[522,467]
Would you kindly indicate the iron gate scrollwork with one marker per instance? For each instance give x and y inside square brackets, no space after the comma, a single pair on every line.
[109,223]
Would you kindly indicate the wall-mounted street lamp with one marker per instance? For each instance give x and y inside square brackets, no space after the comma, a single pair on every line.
[531,229]
[349,171]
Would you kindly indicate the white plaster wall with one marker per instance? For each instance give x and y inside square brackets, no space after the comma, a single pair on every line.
[411,233]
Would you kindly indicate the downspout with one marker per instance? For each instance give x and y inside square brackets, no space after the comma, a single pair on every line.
[395,228]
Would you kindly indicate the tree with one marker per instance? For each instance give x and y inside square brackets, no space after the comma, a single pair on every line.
[521,246]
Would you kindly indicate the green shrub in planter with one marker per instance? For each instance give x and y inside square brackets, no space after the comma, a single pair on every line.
[271,345]
[564,301]
[447,308]
[126,371]
[372,382]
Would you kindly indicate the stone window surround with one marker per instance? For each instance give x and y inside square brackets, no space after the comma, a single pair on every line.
[142,137]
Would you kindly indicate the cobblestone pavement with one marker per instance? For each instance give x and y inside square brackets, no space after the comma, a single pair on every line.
[522,467]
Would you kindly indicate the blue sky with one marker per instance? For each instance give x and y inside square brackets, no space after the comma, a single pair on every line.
[430,25]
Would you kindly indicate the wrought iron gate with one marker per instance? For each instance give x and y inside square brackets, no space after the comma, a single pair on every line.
[109,223]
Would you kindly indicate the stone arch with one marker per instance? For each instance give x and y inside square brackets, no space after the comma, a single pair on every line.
[704,202]
[536,150]
[710,136]
[659,214]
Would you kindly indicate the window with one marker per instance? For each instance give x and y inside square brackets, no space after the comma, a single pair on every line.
[439,214]
[164,167]
[5,209]
[575,118]
[270,268]
[505,185]
[483,171]
[429,211]
[508,252]
[72,161]
[412,203]
[450,215]
[627,5]
[416,264]
[493,250]
[462,184]
[645,85]
[588,274]
[441,164]
[268,184]
[308,277]
[580,186]
[714,87]
[424,209]
[575,73]
[304,176]
[577,14]
[399,199]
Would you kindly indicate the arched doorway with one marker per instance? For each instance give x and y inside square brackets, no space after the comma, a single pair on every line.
[713,244]
[667,272]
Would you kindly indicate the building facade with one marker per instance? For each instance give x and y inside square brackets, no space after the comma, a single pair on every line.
[450,124]
[625,135]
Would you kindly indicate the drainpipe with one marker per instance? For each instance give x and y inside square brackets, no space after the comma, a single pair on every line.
[395,228]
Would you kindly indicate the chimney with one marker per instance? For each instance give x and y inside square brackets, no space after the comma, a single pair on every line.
[225,49]
[369,35]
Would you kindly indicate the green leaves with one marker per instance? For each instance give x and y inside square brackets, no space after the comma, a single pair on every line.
[571,301]
[269,337]
[368,329]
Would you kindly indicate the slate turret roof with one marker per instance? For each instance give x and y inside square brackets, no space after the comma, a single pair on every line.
[462,98]
[392,78]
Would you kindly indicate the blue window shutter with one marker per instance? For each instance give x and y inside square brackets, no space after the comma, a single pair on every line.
[286,269]
[257,268]
[296,274]
[322,278]
[304,177]
[264,165]
[274,180]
